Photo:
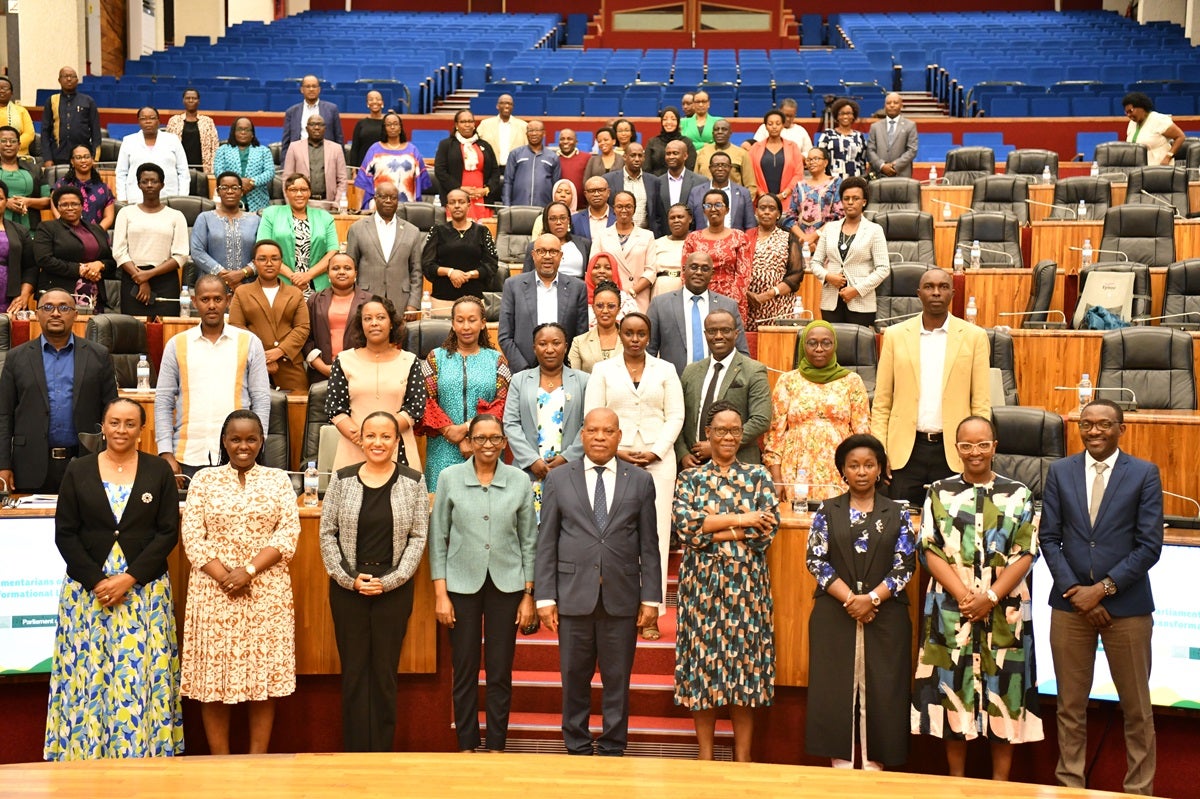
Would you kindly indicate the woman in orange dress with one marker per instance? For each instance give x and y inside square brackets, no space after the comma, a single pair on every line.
[728,248]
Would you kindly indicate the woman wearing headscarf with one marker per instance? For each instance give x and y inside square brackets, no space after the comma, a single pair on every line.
[656,147]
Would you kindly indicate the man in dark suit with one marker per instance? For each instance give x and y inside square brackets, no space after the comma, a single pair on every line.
[677,183]
[396,273]
[642,185]
[1101,531]
[677,317]
[596,214]
[892,142]
[51,389]
[741,206]
[534,298]
[597,578]
[725,375]
[295,117]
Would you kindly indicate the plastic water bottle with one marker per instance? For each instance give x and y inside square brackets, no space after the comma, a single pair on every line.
[1046,174]
[1081,211]
[800,492]
[806,255]
[1095,171]
[312,481]
[143,374]
[185,302]
[798,306]
[960,265]
[1085,390]
[1085,258]
[972,311]
[933,176]
[946,210]
[343,204]
[976,254]
[426,305]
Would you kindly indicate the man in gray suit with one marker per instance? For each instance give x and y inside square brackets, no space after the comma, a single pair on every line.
[892,142]
[676,184]
[597,578]
[534,298]
[677,317]
[727,375]
[388,251]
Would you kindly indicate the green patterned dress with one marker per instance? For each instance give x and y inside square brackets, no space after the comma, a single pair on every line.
[977,680]
[725,643]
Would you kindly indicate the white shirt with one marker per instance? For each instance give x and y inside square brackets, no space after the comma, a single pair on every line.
[725,363]
[573,261]
[637,187]
[933,364]
[387,234]
[675,187]
[547,300]
[504,137]
[271,293]
[306,112]
[687,320]
[167,152]
[1089,472]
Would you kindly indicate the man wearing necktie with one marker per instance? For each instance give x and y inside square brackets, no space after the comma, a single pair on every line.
[892,142]
[597,579]
[677,317]
[1101,531]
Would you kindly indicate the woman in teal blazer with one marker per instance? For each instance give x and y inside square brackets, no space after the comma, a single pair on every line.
[482,543]
[242,153]
[306,236]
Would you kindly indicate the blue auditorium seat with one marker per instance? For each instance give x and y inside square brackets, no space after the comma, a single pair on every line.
[1008,106]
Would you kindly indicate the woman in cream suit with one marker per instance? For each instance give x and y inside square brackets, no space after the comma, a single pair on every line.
[645,393]
[634,246]
[851,260]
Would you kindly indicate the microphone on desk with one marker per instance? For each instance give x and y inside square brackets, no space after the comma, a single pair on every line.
[1162,202]
[810,504]
[1045,325]
[966,247]
[1074,211]
[1124,257]
[947,205]
[899,318]
[1185,522]
[804,316]
[1124,405]
[1185,326]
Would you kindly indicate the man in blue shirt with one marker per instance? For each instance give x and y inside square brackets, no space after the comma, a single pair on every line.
[52,389]
[532,170]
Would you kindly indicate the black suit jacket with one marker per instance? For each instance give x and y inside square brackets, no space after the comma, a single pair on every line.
[22,268]
[573,556]
[448,168]
[655,215]
[85,528]
[58,253]
[518,315]
[25,406]
[318,324]
[691,180]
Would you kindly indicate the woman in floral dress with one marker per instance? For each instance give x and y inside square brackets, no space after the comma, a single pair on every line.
[815,201]
[240,528]
[975,677]
[776,266]
[846,146]
[728,249]
[813,409]
[725,514]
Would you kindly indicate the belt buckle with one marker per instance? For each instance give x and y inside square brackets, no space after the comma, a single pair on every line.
[60,453]
[932,438]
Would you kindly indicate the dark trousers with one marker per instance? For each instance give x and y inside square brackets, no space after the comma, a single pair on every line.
[56,468]
[487,615]
[584,642]
[370,633]
[926,464]
[843,314]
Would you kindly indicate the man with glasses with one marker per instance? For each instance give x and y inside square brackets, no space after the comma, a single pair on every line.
[535,298]
[741,170]
[740,213]
[1101,531]
[51,389]
[69,119]
[729,376]
[387,250]
[677,317]
[597,214]
[934,371]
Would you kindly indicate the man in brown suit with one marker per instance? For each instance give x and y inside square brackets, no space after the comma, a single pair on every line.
[277,313]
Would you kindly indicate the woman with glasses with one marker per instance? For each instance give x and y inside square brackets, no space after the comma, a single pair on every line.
[19,271]
[556,220]
[396,158]
[851,259]
[14,115]
[728,249]
[632,245]
[459,257]
[847,146]
[482,542]
[725,513]
[975,674]
[307,236]
[22,176]
[860,550]
[467,163]
[223,238]
[151,146]
[99,205]
[72,253]
[815,201]
[242,154]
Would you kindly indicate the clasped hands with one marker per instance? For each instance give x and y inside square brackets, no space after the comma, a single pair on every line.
[111,590]
[367,585]
[1086,599]
[975,605]
[637,458]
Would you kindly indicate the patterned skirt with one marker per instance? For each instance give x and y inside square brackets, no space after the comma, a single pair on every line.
[114,685]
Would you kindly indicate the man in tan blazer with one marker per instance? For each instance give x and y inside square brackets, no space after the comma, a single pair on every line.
[933,373]
[504,131]
[277,313]
[329,183]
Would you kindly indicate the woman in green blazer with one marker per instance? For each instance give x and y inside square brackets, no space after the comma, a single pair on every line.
[306,236]
[482,542]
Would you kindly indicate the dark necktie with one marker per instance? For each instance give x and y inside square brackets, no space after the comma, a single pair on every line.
[709,396]
[600,501]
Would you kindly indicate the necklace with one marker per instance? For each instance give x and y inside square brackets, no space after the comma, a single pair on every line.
[845,241]
[119,466]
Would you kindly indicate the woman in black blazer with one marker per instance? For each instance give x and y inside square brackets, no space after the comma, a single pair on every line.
[482,181]
[72,254]
[20,268]
[114,684]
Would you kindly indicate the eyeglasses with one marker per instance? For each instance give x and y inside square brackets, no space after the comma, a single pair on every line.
[594,191]
[229,188]
[480,441]
[606,306]
[725,432]
[63,308]
[982,447]
[542,252]
[713,206]
[697,268]
[1104,427]
[62,206]
[819,344]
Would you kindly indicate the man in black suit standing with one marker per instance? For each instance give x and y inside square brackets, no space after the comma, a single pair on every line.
[677,183]
[642,185]
[52,388]
[597,578]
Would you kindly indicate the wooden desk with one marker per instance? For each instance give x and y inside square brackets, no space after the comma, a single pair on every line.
[934,198]
[1054,238]
[777,349]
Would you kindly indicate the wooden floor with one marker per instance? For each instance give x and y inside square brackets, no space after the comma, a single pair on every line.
[480,775]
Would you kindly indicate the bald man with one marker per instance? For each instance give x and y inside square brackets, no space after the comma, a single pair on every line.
[504,131]
[892,142]
[295,119]
[535,298]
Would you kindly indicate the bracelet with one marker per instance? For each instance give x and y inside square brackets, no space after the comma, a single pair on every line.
[776,290]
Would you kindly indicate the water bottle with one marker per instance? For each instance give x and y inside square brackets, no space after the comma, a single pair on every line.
[143,374]
[426,305]
[800,492]
[972,311]
[1085,258]
[1095,171]
[343,204]
[1085,390]
[1081,211]
[945,210]
[933,176]
[806,255]
[1046,174]
[798,307]
[312,481]
[976,254]
[185,302]
[960,265]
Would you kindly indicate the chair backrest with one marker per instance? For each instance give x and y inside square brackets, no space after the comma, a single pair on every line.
[893,194]
[1001,193]
[1141,284]
[1116,159]
[276,149]
[1028,164]
[5,339]
[125,339]
[277,447]
[276,190]
[1182,295]
[965,165]
[909,235]
[53,174]
[1028,441]
[1095,193]
[896,297]
[856,351]
[422,215]
[1165,185]
[190,206]
[314,417]
[198,183]
[514,226]
[110,150]
[1153,362]
[996,231]
[426,335]
[1145,233]
[1002,358]
[1041,293]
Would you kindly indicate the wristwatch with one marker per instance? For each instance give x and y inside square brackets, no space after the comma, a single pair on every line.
[1110,588]
[875,600]
[529,590]
[250,570]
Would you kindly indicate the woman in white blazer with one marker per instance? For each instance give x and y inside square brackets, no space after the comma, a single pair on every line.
[634,246]
[851,259]
[647,397]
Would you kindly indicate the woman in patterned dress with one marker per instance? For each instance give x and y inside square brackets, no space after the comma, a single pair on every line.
[394,157]
[846,146]
[543,416]
[99,205]
[114,684]
[240,528]
[223,238]
[726,516]
[813,409]
[975,676]
[860,550]
[816,200]
[776,267]
[465,376]
[728,249]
